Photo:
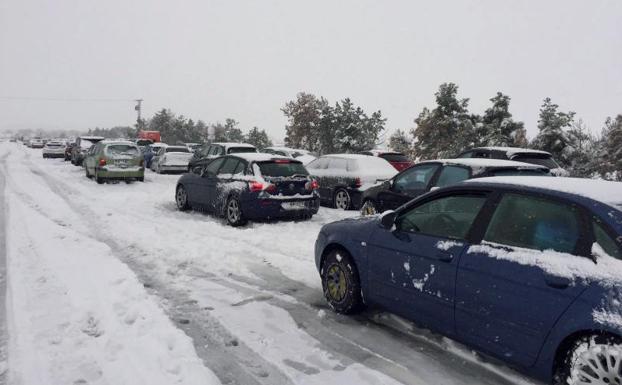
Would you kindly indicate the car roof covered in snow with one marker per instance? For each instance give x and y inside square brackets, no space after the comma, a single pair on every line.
[233,144]
[486,162]
[512,150]
[276,148]
[606,192]
[259,156]
[348,156]
[377,152]
[87,137]
[112,141]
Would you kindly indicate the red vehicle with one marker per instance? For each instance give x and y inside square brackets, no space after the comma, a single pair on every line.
[397,159]
[154,136]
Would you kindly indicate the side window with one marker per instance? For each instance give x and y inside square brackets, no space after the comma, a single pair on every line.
[268,151]
[534,223]
[449,217]
[229,166]
[606,242]
[318,164]
[415,178]
[337,164]
[239,169]
[468,154]
[480,154]
[213,166]
[452,175]
[280,153]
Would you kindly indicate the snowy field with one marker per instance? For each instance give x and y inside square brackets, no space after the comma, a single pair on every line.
[110,284]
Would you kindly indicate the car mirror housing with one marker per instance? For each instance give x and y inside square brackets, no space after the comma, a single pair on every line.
[387,220]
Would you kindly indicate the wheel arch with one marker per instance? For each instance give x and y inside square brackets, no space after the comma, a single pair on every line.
[336,246]
[566,344]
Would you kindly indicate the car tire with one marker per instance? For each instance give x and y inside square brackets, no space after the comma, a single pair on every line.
[86,171]
[369,208]
[579,362]
[341,283]
[141,179]
[181,198]
[233,212]
[99,179]
[341,199]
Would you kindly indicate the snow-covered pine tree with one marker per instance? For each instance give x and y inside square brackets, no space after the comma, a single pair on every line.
[400,142]
[552,137]
[354,131]
[303,118]
[163,121]
[447,129]
[258,138]
[612,143]
[498,127]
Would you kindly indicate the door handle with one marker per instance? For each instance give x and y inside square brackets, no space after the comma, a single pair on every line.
[444,257]
[557,282]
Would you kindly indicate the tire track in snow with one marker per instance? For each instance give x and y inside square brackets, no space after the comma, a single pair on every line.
[3,272]
[231,361]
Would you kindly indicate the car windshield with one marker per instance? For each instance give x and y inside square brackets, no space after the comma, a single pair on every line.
[282,168]
[238,150]
[86,144]
[519,172]
[395,157]
[544,160]
[177,149]
[122,149]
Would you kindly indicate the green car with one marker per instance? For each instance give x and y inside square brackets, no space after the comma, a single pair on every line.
[114,160]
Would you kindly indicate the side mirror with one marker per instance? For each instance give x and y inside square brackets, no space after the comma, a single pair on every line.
[387,220]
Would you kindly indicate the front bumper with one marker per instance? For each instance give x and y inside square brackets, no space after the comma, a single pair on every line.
[255,209]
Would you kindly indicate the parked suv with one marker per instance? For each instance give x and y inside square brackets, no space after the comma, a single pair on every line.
[205,153]
[425,176]
[114,160]
[83,143]
[527,270]
[344,177]
[53,149]
[246,186]
[526,155]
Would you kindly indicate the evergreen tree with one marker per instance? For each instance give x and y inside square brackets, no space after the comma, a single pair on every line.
[447,129]
[202,131]
[399,142]
[258,138]
[163,121]
[228,132]
[552,136]
[612,146]
[354,131]
[303,119]
[580,155]
[498,127]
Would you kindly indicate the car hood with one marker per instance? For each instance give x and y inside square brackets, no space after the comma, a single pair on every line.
[360,226]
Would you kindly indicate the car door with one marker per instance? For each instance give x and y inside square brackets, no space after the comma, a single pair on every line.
[218,191]
[512,288]
[318,169]
[412,267]
[407,185]
[204,186]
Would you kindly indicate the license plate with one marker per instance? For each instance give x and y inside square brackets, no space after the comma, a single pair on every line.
[293,205]
[122,163]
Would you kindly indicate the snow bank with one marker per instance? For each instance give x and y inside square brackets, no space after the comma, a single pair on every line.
[78,315]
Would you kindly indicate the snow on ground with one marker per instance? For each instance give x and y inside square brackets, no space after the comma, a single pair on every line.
[248,299]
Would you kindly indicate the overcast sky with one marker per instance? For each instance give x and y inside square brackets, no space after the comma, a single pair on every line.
[244,59]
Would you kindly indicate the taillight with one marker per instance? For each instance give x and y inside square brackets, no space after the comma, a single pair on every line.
[102,162]
[312,185]
[357,182]
[255,186]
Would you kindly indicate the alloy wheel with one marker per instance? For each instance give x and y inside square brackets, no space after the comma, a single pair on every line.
[336,283]
[599,364]
[342,200]
[182,198]
[233,211]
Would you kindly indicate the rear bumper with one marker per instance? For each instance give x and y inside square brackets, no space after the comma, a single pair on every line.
[173,168]
[119,173]
[53,154]
[255,209]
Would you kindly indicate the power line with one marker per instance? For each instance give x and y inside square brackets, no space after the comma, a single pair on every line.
[34,98]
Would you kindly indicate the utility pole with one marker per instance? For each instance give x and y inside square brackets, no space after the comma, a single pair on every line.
[139,120]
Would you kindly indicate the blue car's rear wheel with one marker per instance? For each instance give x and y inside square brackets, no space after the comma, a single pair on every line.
[341,283]
[181,198]
[233,212]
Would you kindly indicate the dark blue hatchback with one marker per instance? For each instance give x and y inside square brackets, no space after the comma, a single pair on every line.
[524,269]
[251,186]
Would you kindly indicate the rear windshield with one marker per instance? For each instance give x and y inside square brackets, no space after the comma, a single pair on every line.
[85,143]
[518,172]
[544,160]
[177,149]
[395,157]
[122,149]
[237,150]
[282,168]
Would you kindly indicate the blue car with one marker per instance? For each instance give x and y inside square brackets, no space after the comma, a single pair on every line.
[524,269]
[249,186]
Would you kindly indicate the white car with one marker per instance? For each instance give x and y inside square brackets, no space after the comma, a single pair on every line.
[36,143]
[54,149]
[302,155]
[171,159]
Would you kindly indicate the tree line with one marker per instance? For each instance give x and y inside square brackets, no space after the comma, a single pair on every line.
[449,128]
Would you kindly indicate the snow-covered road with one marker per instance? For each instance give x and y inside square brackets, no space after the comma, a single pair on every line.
[110,284]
